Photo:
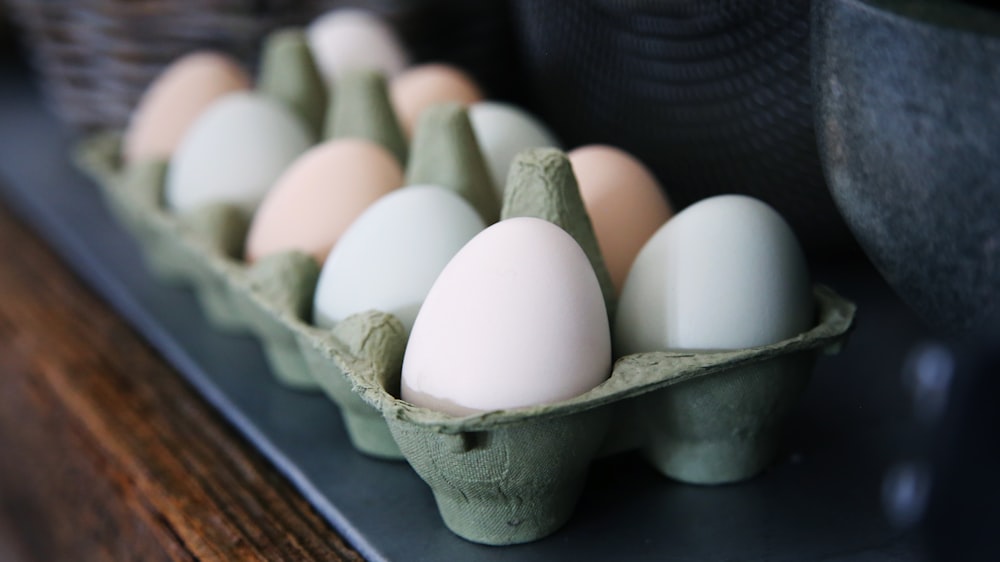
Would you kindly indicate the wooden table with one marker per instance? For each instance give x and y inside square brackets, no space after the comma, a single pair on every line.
[107,454]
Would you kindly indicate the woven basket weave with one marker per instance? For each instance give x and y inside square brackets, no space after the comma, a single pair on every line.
[96,57]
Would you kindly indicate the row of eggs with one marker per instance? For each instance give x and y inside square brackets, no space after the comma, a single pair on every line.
[500,315]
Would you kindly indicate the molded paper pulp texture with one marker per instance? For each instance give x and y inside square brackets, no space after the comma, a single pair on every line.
[499,477]
[289,74]
[272,299]
[361,108]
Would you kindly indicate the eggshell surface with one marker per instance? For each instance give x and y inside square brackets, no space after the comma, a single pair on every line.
[725,273]
[502,131]
[515,319]
[234,152]
[392,253]
[422,86]
[173,101]
[625,203]
[347,39]
[320,195]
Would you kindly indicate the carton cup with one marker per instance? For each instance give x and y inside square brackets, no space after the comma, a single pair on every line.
[504,477]
[499,477]
[379,337]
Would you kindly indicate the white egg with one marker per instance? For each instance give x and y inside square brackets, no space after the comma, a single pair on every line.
[503,131]
[725,273]
[392,253]
[515,319]
[234,152]
[345,39]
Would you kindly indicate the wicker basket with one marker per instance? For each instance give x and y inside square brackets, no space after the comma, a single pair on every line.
[95,57]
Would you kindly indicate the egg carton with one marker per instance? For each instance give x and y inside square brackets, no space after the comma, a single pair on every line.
[272,298]
[499,477]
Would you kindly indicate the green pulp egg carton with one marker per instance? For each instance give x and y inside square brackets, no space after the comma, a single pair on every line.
[203,248]
[499,477]
[177,249]
[272,298]
[444,153]
[507,477]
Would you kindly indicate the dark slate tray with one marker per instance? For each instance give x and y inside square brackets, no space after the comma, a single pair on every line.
[821,500]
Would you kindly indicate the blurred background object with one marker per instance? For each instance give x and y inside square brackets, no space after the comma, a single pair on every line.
[95,57]
[944,483]
[963,506]
[908,122]
[714,96]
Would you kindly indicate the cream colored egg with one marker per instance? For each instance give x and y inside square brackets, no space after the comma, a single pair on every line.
[319,196]
[174,100]
[725,273]
[390,256]
[515,319]
[351,39]
[625,203]
[502,131]
[420,87]
[234,152]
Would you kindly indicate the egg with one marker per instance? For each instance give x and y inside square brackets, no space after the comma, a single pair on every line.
[346,39]
[319,196]
[392,253]
[515,319]
[422,86]
[625,203]
[504,130]
[724,273]
[234,152]
[174,100]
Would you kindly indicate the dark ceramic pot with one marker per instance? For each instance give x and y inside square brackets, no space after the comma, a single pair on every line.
[908,120]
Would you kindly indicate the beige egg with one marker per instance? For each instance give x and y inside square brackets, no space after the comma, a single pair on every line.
[175,99]
[625,203]
[319,196]
[420,87]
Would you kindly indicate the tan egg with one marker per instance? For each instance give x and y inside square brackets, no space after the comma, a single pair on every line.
[625,203]
[175,99]
[319,196]
[422,86]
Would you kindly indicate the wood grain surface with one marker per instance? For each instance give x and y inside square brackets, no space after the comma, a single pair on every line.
[107,454]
